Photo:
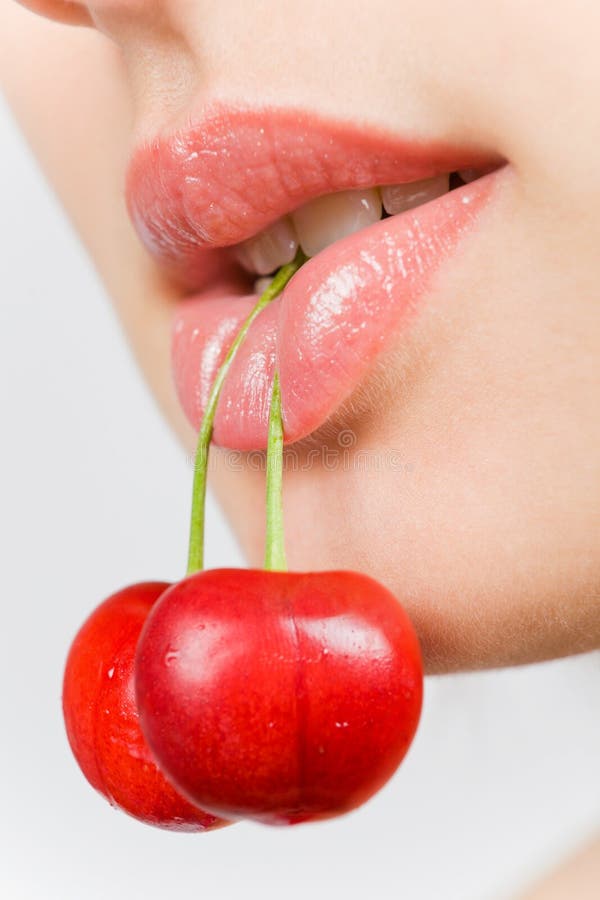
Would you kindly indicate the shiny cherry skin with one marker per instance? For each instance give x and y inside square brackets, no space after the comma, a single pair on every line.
[277,696]
[102,720]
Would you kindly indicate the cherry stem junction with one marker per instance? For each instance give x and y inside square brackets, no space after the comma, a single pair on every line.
[196,540]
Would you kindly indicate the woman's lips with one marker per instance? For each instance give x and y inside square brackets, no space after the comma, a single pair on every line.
[241,171]
[323,333]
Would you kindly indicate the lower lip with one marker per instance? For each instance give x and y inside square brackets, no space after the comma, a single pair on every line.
[338,313]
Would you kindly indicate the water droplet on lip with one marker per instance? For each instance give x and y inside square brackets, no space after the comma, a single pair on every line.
[111,672]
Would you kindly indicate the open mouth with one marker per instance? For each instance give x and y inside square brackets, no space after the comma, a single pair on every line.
[224,205]
[327,219]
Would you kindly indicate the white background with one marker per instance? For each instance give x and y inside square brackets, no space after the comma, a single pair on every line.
[503,777]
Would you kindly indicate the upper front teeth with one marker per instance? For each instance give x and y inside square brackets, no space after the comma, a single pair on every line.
[270,249]
[327,219]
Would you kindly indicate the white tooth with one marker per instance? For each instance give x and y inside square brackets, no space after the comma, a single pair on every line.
[327,219]
[399,197]
[267,251]
[261,284]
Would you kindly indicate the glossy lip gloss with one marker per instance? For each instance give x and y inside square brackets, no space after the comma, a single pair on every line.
[340,311]
[234,173]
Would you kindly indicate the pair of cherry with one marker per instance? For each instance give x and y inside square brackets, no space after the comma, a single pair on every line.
[262,694]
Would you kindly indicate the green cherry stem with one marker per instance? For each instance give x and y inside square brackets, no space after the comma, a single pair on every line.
[274,542]
[196,542]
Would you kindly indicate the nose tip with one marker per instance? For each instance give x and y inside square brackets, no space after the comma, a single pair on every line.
[69,12]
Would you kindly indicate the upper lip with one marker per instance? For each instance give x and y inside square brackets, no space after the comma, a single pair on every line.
[238,170]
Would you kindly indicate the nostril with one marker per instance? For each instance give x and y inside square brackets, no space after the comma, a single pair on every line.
[69,12]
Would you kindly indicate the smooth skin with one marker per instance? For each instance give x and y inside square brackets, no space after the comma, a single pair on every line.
[488,528]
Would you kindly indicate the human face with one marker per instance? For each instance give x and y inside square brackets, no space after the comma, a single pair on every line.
[454,453]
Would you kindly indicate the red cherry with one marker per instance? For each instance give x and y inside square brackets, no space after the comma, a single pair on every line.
[102,720]
[278,696]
